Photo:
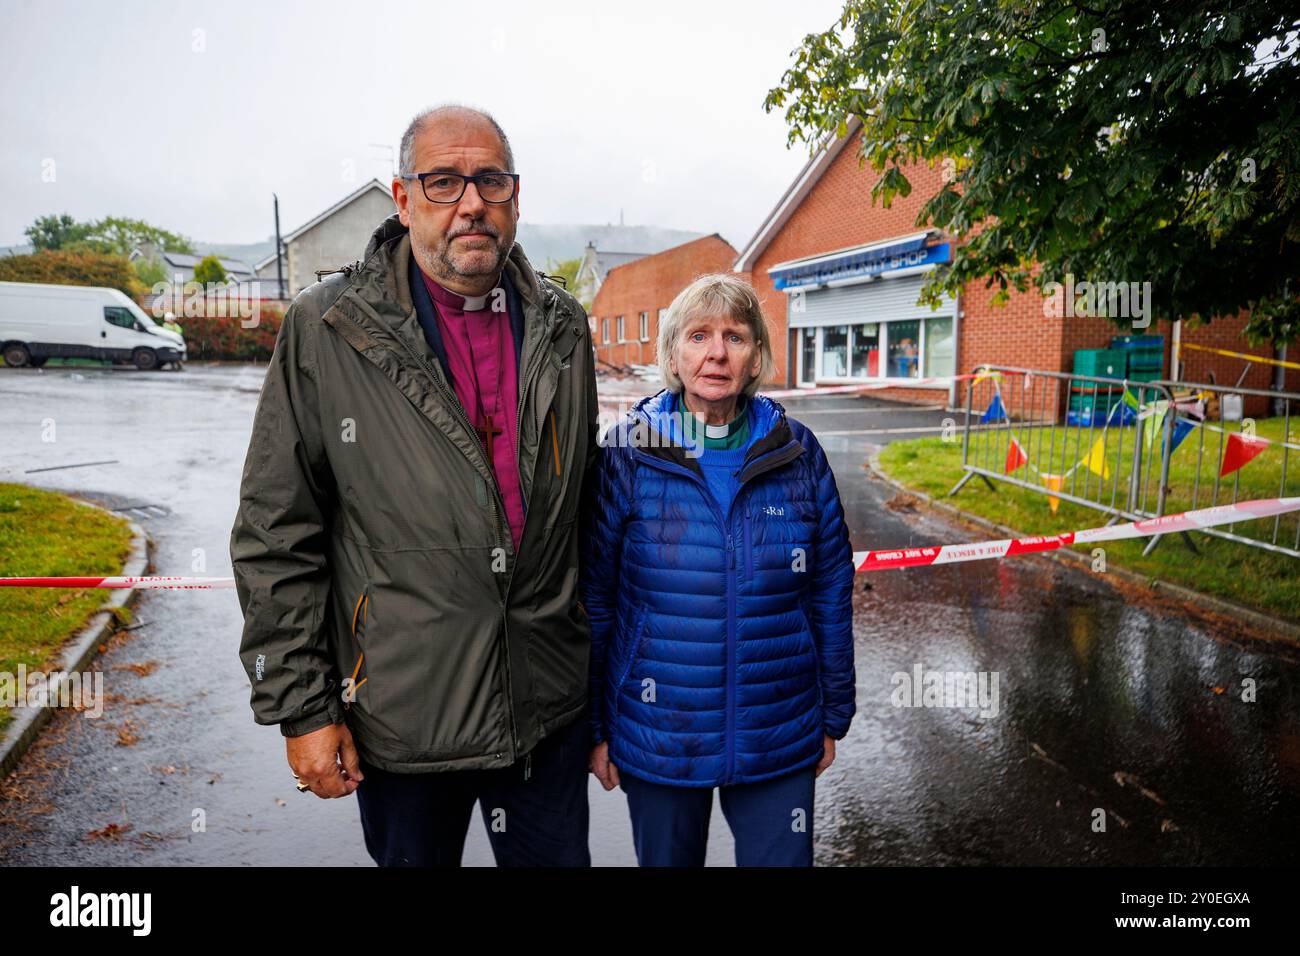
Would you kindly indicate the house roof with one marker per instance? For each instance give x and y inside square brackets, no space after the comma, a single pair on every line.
[186,261]
[797,192]
[345,201]
[612,260]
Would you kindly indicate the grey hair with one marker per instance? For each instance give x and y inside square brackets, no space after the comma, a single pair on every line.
[718,293]
[406,152]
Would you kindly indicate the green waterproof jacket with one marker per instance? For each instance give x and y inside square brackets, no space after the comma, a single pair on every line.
[372,556]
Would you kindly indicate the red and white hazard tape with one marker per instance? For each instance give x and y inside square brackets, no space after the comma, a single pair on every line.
[145,583]
[862,560]
[984,550]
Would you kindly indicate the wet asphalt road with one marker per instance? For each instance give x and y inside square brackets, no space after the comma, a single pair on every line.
[1106,700]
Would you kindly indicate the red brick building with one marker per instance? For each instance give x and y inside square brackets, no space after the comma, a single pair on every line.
[626,311]
[838,279]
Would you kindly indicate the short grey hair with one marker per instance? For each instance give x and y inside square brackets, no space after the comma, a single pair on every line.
[718,293]
[406,152]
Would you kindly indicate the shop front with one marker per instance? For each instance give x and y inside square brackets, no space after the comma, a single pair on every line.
[853,314]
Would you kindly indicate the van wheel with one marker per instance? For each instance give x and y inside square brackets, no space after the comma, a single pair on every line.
[16,355]
[145,359]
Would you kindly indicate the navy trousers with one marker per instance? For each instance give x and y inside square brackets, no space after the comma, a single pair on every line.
[535,810]
[771,820]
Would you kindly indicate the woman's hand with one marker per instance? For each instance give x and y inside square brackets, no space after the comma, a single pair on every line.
[599,764]
[828,757]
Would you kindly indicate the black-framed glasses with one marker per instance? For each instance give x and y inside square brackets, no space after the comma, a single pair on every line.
[449,187]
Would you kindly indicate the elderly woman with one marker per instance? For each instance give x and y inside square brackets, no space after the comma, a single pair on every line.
[718,577]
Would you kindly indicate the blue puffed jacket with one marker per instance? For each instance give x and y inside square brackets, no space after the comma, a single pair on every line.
[722,645]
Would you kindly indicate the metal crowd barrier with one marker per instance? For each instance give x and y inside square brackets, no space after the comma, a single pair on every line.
[1107,444]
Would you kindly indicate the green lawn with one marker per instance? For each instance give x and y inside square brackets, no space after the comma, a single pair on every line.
[1251,576]
[44,533]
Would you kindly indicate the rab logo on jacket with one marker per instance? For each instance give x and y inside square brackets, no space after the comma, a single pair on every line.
[774,510]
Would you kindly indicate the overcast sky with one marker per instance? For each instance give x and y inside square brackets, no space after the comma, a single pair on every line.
[190,115]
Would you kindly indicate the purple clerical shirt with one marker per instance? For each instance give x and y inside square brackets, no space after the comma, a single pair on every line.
[481,352]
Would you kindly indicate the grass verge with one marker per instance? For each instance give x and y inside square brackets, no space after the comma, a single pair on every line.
[43,533]
[1258,579]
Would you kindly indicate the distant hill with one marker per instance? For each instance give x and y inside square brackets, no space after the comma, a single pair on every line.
[250,252]
[542,242]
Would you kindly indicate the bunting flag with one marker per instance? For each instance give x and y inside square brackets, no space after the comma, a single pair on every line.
[1053,483]
[995,412]
[1016,456]
[1182,428]
[1151,422]
[1239,452]
[1096,461]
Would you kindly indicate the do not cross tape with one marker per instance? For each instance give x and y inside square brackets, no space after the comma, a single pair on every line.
[862,560]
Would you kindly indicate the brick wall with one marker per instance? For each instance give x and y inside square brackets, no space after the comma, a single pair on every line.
[837,213]
[648,285]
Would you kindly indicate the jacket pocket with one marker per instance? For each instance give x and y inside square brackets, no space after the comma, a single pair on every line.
[812,646]
[633,652]
[749,546]
[360,618]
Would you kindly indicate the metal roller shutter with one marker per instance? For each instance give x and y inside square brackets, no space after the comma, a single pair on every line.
[881,301]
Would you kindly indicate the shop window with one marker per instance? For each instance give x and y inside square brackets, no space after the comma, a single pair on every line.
[866,350]
[940,347]
[835,351]
[904,349]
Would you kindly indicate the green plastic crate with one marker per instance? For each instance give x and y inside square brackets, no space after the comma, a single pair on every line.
[1100,400]
[1103,363]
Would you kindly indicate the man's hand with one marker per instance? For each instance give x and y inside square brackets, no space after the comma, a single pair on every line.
[828,757]
[599,764]
[326,760]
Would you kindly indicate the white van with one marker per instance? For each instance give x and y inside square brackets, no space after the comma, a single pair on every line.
[40,321]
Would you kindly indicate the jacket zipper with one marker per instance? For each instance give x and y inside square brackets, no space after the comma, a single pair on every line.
[778,457]
[454,403]
[529,365]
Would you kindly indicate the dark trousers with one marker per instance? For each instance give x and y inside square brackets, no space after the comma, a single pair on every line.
[535,810]
[772,820]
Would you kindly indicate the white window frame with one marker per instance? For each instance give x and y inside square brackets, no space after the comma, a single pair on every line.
[604,331]
[922,348]
[620,330]
[645,327]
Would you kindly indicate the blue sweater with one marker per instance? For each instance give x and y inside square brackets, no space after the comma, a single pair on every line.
[722,472]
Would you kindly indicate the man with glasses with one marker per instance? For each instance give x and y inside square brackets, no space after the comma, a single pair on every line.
[405,549]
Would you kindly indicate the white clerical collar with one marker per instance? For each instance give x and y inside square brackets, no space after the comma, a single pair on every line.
[717,431]
[475,303]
